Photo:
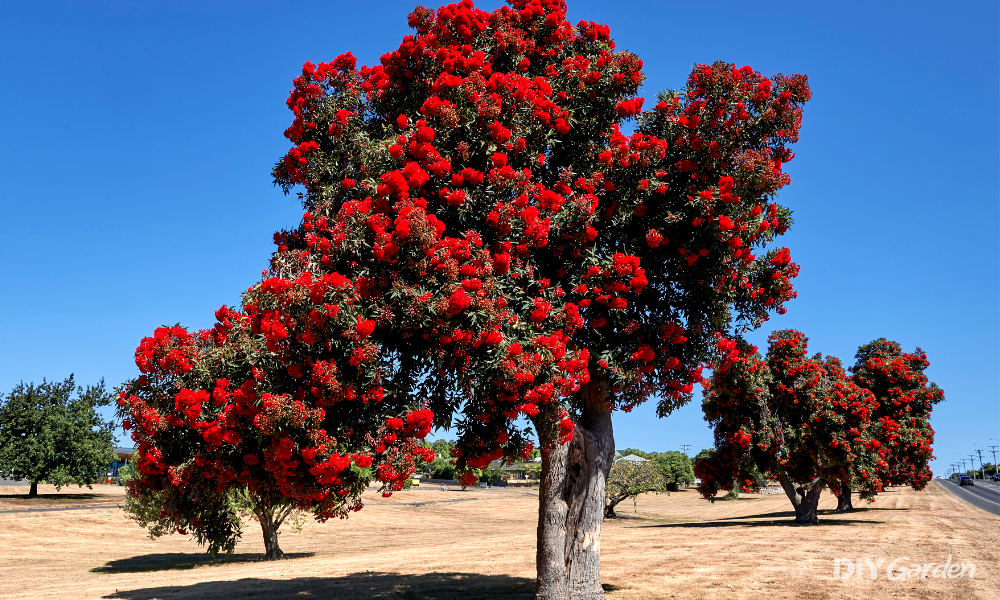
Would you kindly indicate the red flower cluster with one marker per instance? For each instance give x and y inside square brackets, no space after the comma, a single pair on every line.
[170,349]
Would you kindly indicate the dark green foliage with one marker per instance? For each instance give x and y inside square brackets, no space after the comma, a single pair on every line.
[676,468]
[441,467]
[704,454]
[47,434]
[490,475]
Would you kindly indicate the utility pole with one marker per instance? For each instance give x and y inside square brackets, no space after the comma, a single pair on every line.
[995,470]
[980,453]
[972,463]
[964,470]
[685,447]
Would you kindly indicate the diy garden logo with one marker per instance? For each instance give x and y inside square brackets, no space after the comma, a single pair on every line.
[900,569]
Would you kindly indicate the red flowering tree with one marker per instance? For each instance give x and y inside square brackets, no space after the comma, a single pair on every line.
[223,424]
[518,255]
[795,418]
[481,238]
[901,423]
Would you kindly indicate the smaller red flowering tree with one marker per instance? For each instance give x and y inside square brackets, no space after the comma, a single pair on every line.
[901,422]
[795,418]
[220,423]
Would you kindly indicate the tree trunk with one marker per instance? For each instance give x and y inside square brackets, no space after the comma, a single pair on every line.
[804,497]
[609,507]
[805,512]
[571,504]
[270,530]
[33,490]
[844,503]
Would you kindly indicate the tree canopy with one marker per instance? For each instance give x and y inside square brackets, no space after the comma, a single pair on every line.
[795,418]
[676,468]
[508,242]
[217,415]
[52,432]
[902,418]
[482,242]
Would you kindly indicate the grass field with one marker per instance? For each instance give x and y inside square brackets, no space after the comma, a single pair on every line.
[437,545]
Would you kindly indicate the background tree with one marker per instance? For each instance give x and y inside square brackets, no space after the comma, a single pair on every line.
[442,448]
[705,453]
[676,468]
[221,426]
[628,479]
[47,434]
[901,422]
[798,419]
[442,466]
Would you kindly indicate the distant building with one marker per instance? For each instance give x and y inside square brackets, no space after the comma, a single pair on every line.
[515,471]
[123,456]
[632,458]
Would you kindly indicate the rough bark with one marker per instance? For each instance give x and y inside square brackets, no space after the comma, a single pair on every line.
[269,525]
[806,511]
[33,490]
[571,504]
[804,497]
[844,503]
[609,507]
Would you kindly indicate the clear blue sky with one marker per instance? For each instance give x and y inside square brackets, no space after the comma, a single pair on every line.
[138,138]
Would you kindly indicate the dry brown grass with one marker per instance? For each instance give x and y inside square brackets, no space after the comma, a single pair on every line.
[15,497]
[676,546]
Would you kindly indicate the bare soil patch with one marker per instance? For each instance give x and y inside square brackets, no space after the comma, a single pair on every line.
[421,545]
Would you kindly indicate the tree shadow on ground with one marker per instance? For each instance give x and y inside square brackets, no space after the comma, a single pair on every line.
[622,518]
[49,497]
[728,499]
[791,514]
[179,561]
[429,586]
[790,522]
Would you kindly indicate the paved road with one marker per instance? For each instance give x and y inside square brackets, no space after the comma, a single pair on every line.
[984,495]
[9,482]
